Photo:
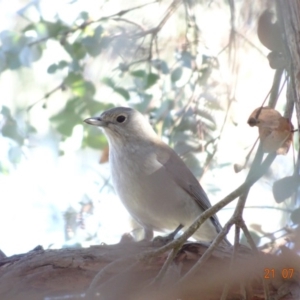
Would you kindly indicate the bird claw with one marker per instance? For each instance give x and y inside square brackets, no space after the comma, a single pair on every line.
[160,241]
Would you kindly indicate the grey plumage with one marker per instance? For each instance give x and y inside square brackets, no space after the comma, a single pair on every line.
[154,184]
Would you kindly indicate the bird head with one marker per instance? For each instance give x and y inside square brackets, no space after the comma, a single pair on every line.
[123,124]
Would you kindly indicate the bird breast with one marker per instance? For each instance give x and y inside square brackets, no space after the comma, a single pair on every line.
[148,192]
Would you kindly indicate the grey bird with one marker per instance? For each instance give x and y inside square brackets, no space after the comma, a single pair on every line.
[154,184]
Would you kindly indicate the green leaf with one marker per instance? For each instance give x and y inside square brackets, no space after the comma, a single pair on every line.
[93,43]
[124,93]
[138,73]
[3,65]
[105,41]
[98,31]
[41,30]
[12,42]
[285,187]
[55,29]
[72,79]
[29,27]
[94,139]
[10,127]
[123,67]
[12,60]
[147,80]
[76,50]
[145,100]
[295,216]
[28,55]
[79,86]
[62,64]
[88,90]
[160,65]
[65,120]
[75,66]
[69,108]
[176,74]
[187,123]
[94,106]
[30,128]
[52,69]
[84,15]
[65,127]
[187,58]
[5,111]
[109,82]
[151,80]
[12,46]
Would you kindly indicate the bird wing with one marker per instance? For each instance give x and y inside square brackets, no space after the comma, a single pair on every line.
[182,175]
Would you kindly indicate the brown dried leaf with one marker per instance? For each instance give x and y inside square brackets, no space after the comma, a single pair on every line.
[287,143]
[104,155]
[275,132]
[279,139]
[264,116]
[238,167]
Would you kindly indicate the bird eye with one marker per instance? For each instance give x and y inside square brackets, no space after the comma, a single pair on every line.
[121,119]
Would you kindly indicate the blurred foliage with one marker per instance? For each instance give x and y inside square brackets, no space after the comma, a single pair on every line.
[179,87]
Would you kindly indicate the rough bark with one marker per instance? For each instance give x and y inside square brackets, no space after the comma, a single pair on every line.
[289,18]
[44,274]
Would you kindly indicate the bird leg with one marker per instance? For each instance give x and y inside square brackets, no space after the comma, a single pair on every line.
[163,240]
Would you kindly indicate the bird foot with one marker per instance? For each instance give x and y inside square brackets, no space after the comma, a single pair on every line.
[160,241]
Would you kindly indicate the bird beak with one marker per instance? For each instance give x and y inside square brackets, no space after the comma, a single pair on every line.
[96,122]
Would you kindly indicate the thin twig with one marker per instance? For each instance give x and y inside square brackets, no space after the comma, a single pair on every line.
[166,265]
[46,96]
[250,43]
[87,23]
[129,22]
[213,209]
[207,254]
[254,248]
[287,210]
[233,258]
